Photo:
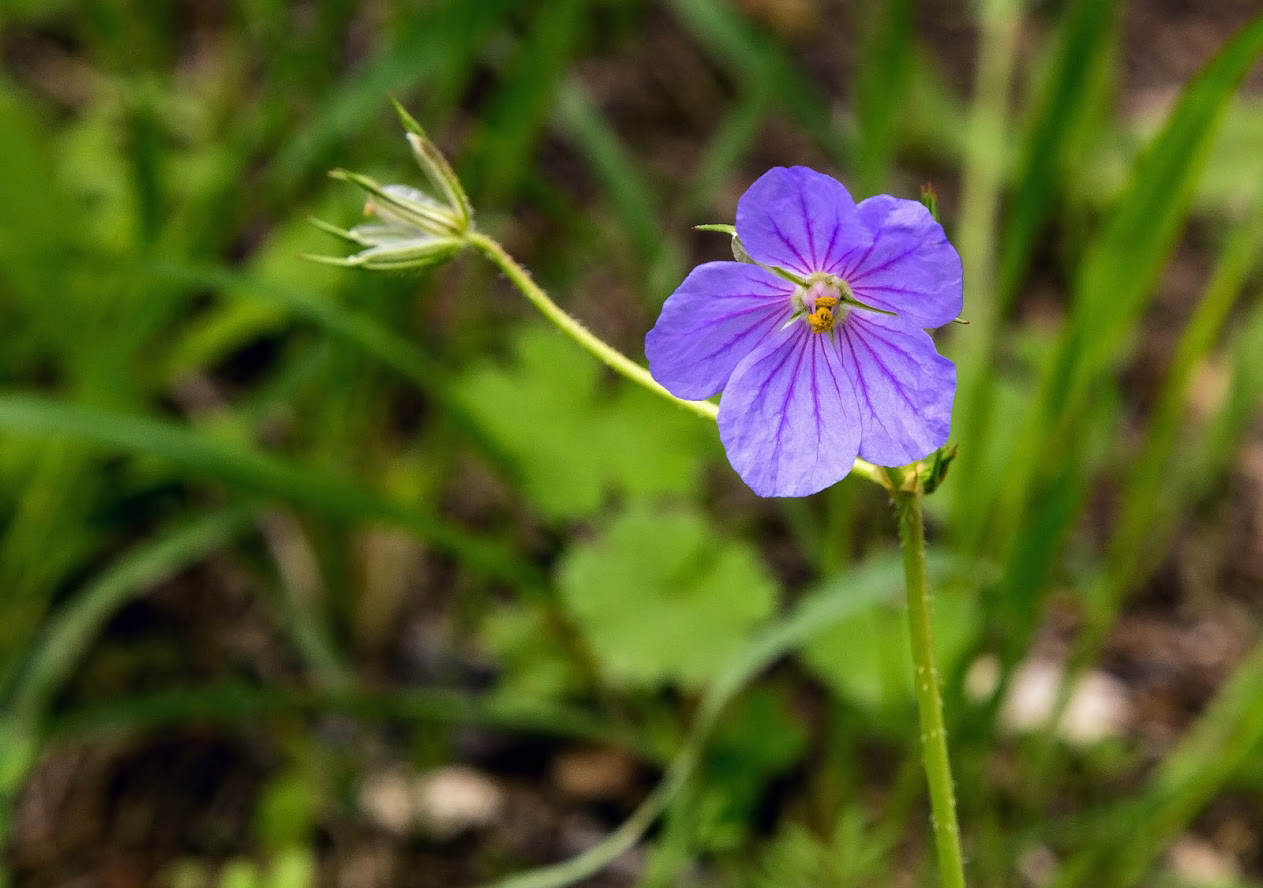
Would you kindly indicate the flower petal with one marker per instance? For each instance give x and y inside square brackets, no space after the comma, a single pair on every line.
[800,220]
[904,387]
[712,321]
[789,418]
[910,269]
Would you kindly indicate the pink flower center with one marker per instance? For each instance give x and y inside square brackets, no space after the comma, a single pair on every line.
[822,301]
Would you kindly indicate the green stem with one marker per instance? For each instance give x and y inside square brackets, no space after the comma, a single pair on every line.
[611,357]
[938,770]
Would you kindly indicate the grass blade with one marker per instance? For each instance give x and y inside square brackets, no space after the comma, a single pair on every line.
[71,630]
[256,472]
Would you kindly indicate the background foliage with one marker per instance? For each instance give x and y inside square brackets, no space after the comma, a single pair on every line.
[274,535]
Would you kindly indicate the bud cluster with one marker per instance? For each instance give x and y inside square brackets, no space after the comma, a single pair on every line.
[412,229]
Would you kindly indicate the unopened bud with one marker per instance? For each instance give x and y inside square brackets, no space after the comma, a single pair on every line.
[413,228]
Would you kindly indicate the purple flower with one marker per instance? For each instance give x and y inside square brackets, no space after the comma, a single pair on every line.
[818,344]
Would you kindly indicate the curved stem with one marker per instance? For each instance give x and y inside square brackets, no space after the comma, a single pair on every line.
[938,770]
[611,357]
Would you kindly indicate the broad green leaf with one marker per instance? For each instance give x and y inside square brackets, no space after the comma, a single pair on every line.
[662,597]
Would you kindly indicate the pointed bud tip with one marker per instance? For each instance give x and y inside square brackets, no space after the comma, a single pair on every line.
[409,122]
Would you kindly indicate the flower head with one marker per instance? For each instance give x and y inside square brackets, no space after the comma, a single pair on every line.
[818,343]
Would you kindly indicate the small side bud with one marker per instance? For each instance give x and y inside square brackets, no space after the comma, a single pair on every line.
[410,228]
[938,468]
[929,197]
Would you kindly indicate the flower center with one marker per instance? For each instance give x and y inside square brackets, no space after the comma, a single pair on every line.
[822,301]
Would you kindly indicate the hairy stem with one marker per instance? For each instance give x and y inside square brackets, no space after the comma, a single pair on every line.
[938,770]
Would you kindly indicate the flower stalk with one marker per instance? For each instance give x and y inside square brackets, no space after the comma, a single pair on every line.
[938,772]
[599,348]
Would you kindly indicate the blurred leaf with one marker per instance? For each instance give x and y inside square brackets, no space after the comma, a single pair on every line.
[1122,264]
[758,62]
[34,211]
[866,658]
[629,191]
[232,703]
[1150,498]
[1042,491]
[850,856]
[1225,738]
[511,122]
[287,809]
[534,666]
[662,597]
[1079,73]
[571,440]
[67,637]
[757,740]
[292,868]
[841,597]
[436,47]
[881,82]
[252,470]
[240,873]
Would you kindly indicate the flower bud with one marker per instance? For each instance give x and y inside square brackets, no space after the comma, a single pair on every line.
[412,229]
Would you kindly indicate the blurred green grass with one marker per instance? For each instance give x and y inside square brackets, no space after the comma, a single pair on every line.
[175,379]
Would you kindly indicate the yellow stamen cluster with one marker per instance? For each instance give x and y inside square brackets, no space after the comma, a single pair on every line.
[821,319]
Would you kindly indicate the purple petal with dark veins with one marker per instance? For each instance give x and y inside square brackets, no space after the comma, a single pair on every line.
[910,268]
[800,220]
[903,387]
[788,418]
[712,321]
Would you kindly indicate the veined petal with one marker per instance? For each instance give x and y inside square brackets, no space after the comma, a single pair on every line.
[910,268]
[800,220]
[712,321]
[788,418]
[904,388]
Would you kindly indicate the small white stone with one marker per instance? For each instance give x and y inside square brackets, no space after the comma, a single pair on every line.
[1197,861]
[1099,706]
[455,799]
[386,799]
[983,678]
[1038,865]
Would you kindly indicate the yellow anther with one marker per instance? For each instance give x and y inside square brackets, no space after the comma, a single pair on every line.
[821,320]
